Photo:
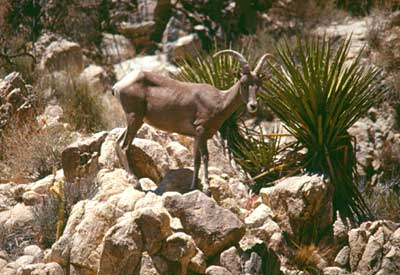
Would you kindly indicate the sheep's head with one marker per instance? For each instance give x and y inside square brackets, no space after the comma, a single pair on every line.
[250,80]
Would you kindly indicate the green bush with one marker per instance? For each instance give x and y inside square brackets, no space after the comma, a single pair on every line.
[318,94]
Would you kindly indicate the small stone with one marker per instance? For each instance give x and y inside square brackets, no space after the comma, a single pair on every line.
[147,184]
[342,258]
[31,198]
[217,270]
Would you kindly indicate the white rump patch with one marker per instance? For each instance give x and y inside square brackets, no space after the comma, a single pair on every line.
[124,82]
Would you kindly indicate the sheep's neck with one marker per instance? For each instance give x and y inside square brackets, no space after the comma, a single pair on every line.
[232,100]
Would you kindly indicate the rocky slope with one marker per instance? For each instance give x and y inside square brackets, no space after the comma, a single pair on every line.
[92,217]
[118,224]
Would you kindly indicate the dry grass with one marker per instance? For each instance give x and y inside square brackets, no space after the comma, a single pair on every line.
[307,260]
[29,152]
[82,107]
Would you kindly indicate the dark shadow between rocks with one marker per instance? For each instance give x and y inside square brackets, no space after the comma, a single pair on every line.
[176,180]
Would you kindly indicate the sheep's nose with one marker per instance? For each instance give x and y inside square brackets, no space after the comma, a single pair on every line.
[252,107]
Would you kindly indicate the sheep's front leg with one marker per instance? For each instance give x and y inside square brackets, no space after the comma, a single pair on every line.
[197,163]
[204,158]
[134,122]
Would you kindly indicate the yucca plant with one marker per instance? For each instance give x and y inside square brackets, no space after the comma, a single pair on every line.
[319,94]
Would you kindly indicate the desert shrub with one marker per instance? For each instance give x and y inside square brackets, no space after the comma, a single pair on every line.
[30,152]
[363,7]
[82,107]
[318,96]
[384,198]
[301,15]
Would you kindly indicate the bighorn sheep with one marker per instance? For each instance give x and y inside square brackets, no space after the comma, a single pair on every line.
[196,110]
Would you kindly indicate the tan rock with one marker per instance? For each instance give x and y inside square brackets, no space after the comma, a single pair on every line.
[217,270]
[213,228]
[122,248]
[300,201]
[63,55]
[154,223]
[179,247]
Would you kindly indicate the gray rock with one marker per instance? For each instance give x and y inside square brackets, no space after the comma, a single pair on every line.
[147,23]
[154,265]
[230,259]
[150,200]
[334,270]
[253,265]
[176,180]
[212,227]
[147,184]
[156,152]
[374,248]
[260,227]
[357,241]
[3,263]
[116,48]
[185,46]
[340,230]
[32,198]
[217,270]
[35,251]
[41,268]
[51,117]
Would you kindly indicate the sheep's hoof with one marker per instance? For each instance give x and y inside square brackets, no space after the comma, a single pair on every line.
[206,190]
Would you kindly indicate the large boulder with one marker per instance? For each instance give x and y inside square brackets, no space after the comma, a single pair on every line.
[80,159]
[147,23]
[63,55]
[212,227]
[155,226]
[96,78]
[152,63]
[122,248]
[147,159]
[82,242]
[299,202]
[116,48]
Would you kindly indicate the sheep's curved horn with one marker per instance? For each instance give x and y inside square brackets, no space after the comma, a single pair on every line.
[261,62]
[239,57]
